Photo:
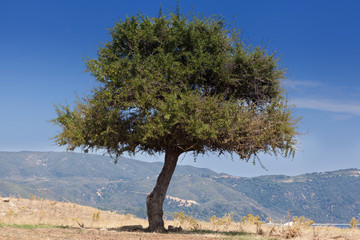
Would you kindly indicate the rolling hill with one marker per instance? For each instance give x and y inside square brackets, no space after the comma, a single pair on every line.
[94,180]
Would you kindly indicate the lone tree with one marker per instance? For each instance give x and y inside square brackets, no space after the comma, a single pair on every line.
[174,84]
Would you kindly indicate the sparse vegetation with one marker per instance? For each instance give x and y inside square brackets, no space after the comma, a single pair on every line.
[354,223]
[251,219]
[226,220]
[96,216]
[30,226]
[48,212]
[181,218]
[302,222]
[19,216]
[296,226]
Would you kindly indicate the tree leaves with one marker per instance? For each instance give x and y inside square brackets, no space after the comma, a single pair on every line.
[180,82]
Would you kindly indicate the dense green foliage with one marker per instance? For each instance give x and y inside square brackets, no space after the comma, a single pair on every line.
[183,83]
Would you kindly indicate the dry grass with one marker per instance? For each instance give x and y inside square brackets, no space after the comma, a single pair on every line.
[47,212]
[82,222]
[299,231]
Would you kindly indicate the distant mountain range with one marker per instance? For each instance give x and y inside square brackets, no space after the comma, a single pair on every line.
[329,197]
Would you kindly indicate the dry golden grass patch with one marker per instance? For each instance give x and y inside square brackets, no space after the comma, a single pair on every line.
[82,222]
[305,232]
[301,228]
[40,211]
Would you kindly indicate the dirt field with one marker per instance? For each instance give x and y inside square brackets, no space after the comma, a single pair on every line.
[9,233]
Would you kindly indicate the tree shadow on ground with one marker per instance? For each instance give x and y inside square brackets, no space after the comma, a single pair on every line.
[171,229]
[230,233]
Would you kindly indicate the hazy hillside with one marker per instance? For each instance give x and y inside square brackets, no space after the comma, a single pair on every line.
[24,165]
[324,197]
[96,181]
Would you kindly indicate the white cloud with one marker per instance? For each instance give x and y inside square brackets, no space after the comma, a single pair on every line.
[303,84]
[327,105]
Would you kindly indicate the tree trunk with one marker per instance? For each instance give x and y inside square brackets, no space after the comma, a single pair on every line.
[155,200]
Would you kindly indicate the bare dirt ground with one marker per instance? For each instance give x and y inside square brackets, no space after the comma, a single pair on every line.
[9,233]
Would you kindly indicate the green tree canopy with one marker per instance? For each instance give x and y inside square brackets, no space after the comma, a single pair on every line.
[173,84]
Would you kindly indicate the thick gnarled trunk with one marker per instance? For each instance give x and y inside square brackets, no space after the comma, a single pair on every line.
[155,200]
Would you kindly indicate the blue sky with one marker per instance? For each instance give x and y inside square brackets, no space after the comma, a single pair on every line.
[43,45]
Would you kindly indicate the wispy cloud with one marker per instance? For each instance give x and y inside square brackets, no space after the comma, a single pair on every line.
[303,84]
[327,105]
